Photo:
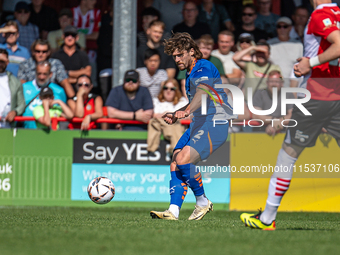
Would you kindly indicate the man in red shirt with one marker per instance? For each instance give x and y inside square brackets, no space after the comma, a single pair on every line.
[320,68]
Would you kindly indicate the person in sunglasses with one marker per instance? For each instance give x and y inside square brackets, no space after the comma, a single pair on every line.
[169,99]
[16,52]
[28,31]
[41,51]
[75,61]
[284,45]
[249,16]
[56,39]
[130,101]
[85,104]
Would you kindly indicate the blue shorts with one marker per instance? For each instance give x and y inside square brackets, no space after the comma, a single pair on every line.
[204,137]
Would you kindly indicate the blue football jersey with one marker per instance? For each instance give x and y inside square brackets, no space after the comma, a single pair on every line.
[31,89]
[205,73]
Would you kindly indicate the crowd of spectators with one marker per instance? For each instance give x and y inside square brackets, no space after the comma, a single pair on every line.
[64,57]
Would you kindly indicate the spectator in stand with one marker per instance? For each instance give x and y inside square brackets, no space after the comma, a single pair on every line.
[248,24]
[225,43]
[151,76]
[256,70]
[266,20]
[190,24]
[50,108]
[11,92]
[104,51]
[215,15]
[33,88]
[87,19]
[149,14]
[55,38]
[300,18]
[41,51]
[288,7]
[44,17]
[169,99]
[28,31]
[283,45]
[155,33]
[130,102]
[76,62]
[16,52]
[245,41]
[85,104]
[263,100]
[206,45]
[171,12]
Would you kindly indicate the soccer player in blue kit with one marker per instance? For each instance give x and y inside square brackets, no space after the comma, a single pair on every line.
[202,137]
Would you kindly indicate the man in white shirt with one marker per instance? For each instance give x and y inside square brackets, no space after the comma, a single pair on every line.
[224,53]
[285,50]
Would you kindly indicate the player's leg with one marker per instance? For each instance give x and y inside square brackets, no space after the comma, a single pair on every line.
[178,187]
[186,160]
[297,138]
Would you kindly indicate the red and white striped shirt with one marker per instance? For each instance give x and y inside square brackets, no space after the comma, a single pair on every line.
[324,20]
[88,23]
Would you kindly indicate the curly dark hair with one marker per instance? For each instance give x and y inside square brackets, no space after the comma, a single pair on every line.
[181,42]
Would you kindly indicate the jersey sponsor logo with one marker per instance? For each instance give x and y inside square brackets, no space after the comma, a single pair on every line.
[327,22]
[200,70]
[203,78]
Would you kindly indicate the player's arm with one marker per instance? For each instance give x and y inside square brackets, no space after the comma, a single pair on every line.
[332,52]
[196,101]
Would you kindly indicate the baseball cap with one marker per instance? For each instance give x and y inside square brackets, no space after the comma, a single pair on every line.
[21,6]
[245,36]
[285,20]
[47,91]
[67,12]
[131,74]
[70,30]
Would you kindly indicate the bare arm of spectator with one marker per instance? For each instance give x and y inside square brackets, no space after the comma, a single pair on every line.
[74,74]
[140,115]
[67,112]
[294,84]
[240,54]
[171,72]
[229,25]
[68,88]
[98,106]
[46,119]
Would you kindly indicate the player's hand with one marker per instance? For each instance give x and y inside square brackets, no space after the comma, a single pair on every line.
[169,117]
[270,130]
[10,116]
[303,67]
[181,114]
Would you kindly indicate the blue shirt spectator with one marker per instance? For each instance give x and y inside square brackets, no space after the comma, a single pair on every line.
[32,89]
[28,32]
[15,57]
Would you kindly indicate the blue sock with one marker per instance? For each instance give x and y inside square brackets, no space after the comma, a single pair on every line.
[192,178]
[178,189]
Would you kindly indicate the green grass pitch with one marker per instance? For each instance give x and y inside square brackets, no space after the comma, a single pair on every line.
[124,230]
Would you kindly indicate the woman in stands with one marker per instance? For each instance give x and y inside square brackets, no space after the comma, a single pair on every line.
[85,105]
[169,99]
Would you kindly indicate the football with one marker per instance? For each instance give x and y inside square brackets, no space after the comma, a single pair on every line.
[101,190]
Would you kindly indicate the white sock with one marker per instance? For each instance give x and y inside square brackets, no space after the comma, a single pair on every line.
[174,209]
[278,185]
[201,200]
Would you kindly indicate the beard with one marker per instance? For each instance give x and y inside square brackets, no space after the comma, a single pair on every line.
[2,66]
[43,84]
